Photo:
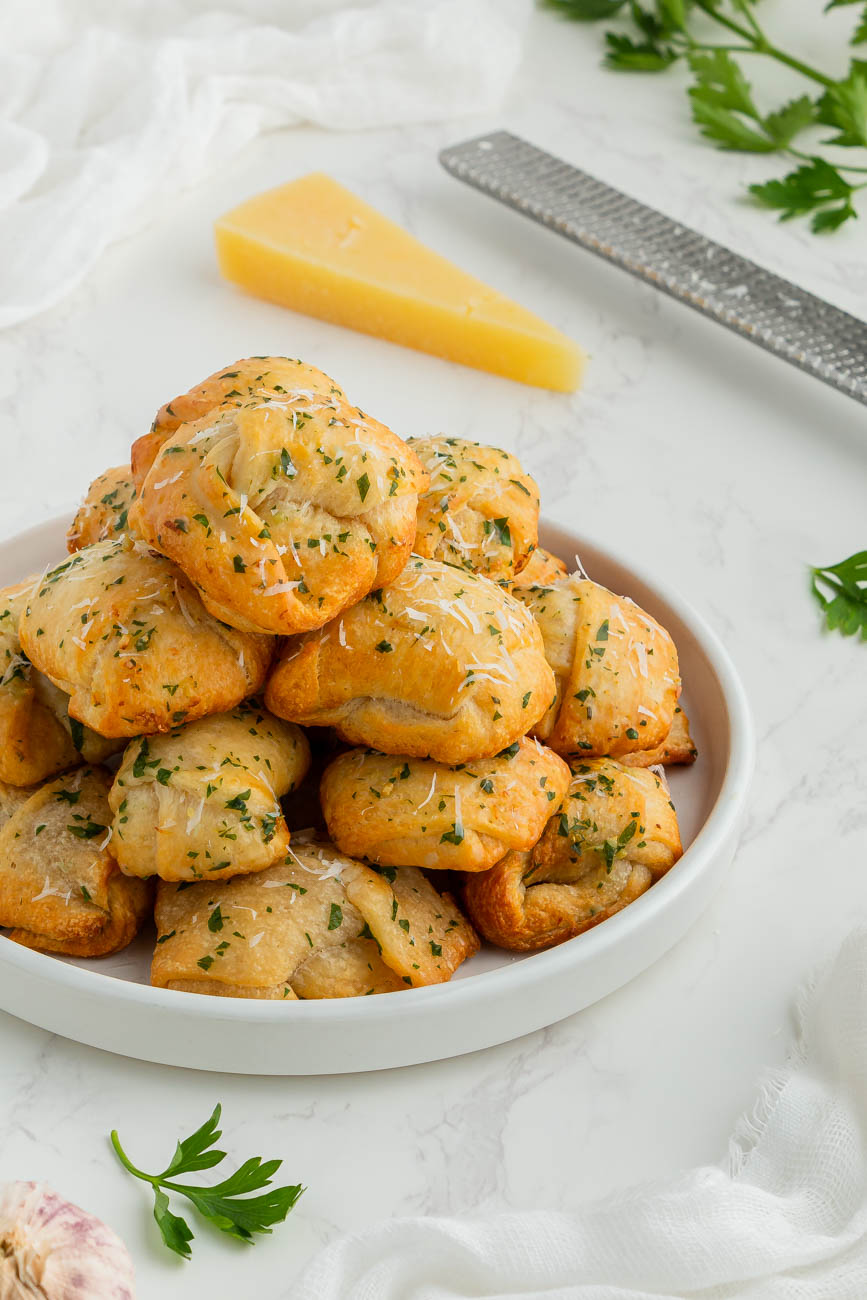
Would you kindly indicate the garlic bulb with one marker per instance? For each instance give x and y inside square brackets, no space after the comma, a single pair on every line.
[53,1250]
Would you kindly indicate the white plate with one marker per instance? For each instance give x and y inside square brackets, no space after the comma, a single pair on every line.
[494,997]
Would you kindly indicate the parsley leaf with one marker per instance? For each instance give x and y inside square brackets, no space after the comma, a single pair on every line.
[586,11]
[227,1204]
[721,99]
[841,590]
[844,106]
[175,1231]
[625,55]
[722,104]
[787,122]
[216,920]
[811,187]
[454,836]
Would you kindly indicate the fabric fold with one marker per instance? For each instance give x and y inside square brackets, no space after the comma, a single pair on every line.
[784,1219]
[99,123]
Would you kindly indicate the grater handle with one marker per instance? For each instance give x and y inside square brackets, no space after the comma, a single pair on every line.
[782,318]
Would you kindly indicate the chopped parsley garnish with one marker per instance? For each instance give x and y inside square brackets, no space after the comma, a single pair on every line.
[216,920]
[86,830]
[841,591]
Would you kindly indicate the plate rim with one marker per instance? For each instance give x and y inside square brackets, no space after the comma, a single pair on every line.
[535,968]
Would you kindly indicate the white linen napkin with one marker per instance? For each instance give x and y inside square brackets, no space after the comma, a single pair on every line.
[107,108]
[786,1219]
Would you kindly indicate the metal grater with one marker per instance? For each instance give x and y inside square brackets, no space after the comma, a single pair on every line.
[786,320]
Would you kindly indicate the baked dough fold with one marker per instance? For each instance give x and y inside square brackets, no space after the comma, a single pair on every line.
[417,812]
[481,510]
[614,834]
[616,670]
[103,514]
[438,663]
[38,738]
[235,384]
[203,801]
[60,887]
[283,507]
[122,632]
[541,568]
[316,925]
[677,748]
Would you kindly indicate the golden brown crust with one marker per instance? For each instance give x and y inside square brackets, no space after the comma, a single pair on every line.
[541,569]
[678,747]
[439,663]
[403,812]
[60,888]
[125,635]
[421,933]
[103,513]
[37,737]
[203,801]
[235,383]
[614,834]
[481,510]
[283,507]
[615,667]
[316,925]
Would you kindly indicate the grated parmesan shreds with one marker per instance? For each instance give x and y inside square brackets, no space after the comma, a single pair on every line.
[182,606]
[17,661]
[579,568]
[614,613]
[333,868]
[166,482]
[585,778]
[659,771]
[194,816]
[256,939]
[212,431]
[48,892]
[242,907]
[481,676]
[282,588]
[458,539]
[269,787]
[430,793]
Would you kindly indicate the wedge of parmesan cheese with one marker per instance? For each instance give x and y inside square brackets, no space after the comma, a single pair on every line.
[313,246]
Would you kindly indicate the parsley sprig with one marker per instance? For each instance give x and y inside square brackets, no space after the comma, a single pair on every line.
[227,1204]
[660,33]
[841,590]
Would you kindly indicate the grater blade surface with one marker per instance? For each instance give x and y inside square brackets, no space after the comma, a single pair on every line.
[781,317]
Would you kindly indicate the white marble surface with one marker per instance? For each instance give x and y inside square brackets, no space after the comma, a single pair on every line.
[732,469]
